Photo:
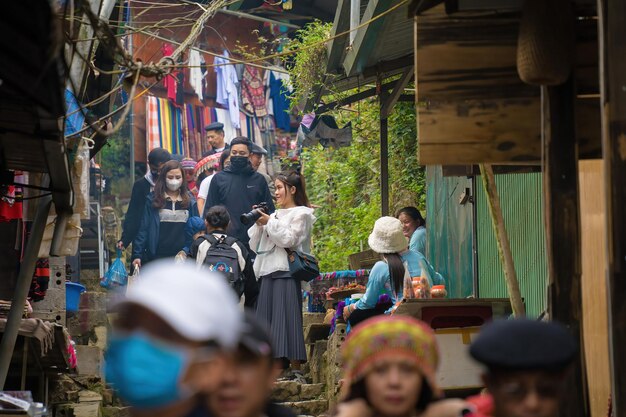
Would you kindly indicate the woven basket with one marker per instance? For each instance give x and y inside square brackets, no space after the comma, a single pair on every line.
[546,41]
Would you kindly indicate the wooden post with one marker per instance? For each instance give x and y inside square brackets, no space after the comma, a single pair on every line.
[504,248]
[612,14]
[563,229]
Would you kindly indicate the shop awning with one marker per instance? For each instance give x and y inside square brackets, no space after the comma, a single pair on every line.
[32,96]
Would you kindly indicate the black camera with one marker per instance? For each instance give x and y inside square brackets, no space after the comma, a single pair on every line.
[254,215]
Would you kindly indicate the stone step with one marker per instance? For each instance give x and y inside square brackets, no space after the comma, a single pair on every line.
[308,408]
[289,391]
[90,361]
[312,318]
[115,411]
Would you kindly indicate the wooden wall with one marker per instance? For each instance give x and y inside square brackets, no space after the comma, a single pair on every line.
[595,327]
[474,108]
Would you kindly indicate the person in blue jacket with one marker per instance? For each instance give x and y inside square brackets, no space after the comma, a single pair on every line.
[387,276]
[238,188]
[162,230]
[414,228]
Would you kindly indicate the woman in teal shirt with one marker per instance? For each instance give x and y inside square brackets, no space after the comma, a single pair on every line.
[387,276]
[414,228]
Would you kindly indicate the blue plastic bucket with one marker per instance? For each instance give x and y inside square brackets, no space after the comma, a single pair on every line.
[72,295]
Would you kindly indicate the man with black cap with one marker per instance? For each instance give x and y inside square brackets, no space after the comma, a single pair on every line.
[247,381]
[239,188]
[527,364]
[215,136]
[256,158]
[141,188]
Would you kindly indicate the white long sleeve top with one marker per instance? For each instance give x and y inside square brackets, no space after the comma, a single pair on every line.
[286,228]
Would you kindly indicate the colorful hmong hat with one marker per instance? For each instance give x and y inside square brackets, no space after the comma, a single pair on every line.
[208,163]
[188,163]
[383,336]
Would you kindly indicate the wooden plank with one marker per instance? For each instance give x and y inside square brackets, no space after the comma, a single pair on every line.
[315,332]
[505,131]
[496,131]
[475,57]
[613,79]
[562,229]
[594,295]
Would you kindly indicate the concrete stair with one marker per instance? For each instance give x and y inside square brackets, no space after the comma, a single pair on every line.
[308,399]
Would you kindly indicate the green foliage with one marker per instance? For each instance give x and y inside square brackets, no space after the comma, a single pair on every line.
[345,183]
[307,65]
[115,163]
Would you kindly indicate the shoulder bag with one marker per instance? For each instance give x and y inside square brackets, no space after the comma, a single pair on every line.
[302,266]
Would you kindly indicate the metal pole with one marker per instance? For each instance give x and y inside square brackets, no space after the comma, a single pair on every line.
[355,18]
[24,279]
[131,113]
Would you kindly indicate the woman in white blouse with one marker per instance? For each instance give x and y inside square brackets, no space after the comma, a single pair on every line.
[280,297]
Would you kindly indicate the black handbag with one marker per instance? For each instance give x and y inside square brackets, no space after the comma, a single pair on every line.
[302,266]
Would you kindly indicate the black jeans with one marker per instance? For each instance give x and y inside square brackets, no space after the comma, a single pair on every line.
[359,315]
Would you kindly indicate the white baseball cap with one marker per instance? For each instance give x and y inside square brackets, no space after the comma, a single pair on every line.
[198,304]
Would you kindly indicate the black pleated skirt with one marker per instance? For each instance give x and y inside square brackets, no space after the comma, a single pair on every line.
[280,304]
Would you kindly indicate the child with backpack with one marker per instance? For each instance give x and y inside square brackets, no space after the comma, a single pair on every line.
[219,252]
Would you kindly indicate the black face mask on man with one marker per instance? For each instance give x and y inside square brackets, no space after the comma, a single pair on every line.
[239,163]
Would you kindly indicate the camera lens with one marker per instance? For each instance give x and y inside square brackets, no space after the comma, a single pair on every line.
[249,218]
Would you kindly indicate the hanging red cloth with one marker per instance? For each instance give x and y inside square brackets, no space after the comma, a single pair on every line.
[10,204]
[169,81]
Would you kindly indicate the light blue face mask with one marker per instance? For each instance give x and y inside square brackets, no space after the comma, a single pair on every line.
[144,372]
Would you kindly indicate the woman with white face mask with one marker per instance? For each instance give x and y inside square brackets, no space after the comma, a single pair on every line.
[162,230]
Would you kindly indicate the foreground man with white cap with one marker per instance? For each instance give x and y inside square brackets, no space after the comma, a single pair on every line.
[167,348]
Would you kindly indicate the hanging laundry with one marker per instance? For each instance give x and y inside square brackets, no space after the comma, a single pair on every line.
[227,87]
[224,117]
[253,92]
[195,72]
[40,281]
[279,94]
[11,200]
[75,118]
[169,81]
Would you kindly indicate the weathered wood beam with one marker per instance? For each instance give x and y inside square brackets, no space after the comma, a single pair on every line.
[356,57]
[398,89]
[612,18]
[562,221]
[502,239]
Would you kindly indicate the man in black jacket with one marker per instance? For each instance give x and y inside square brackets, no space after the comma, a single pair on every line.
[141,188]
[239,188]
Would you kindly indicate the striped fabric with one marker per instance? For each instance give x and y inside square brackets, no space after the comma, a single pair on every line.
[180,130]
[153,139]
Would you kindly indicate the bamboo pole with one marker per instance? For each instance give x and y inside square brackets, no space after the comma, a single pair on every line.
[504,248]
